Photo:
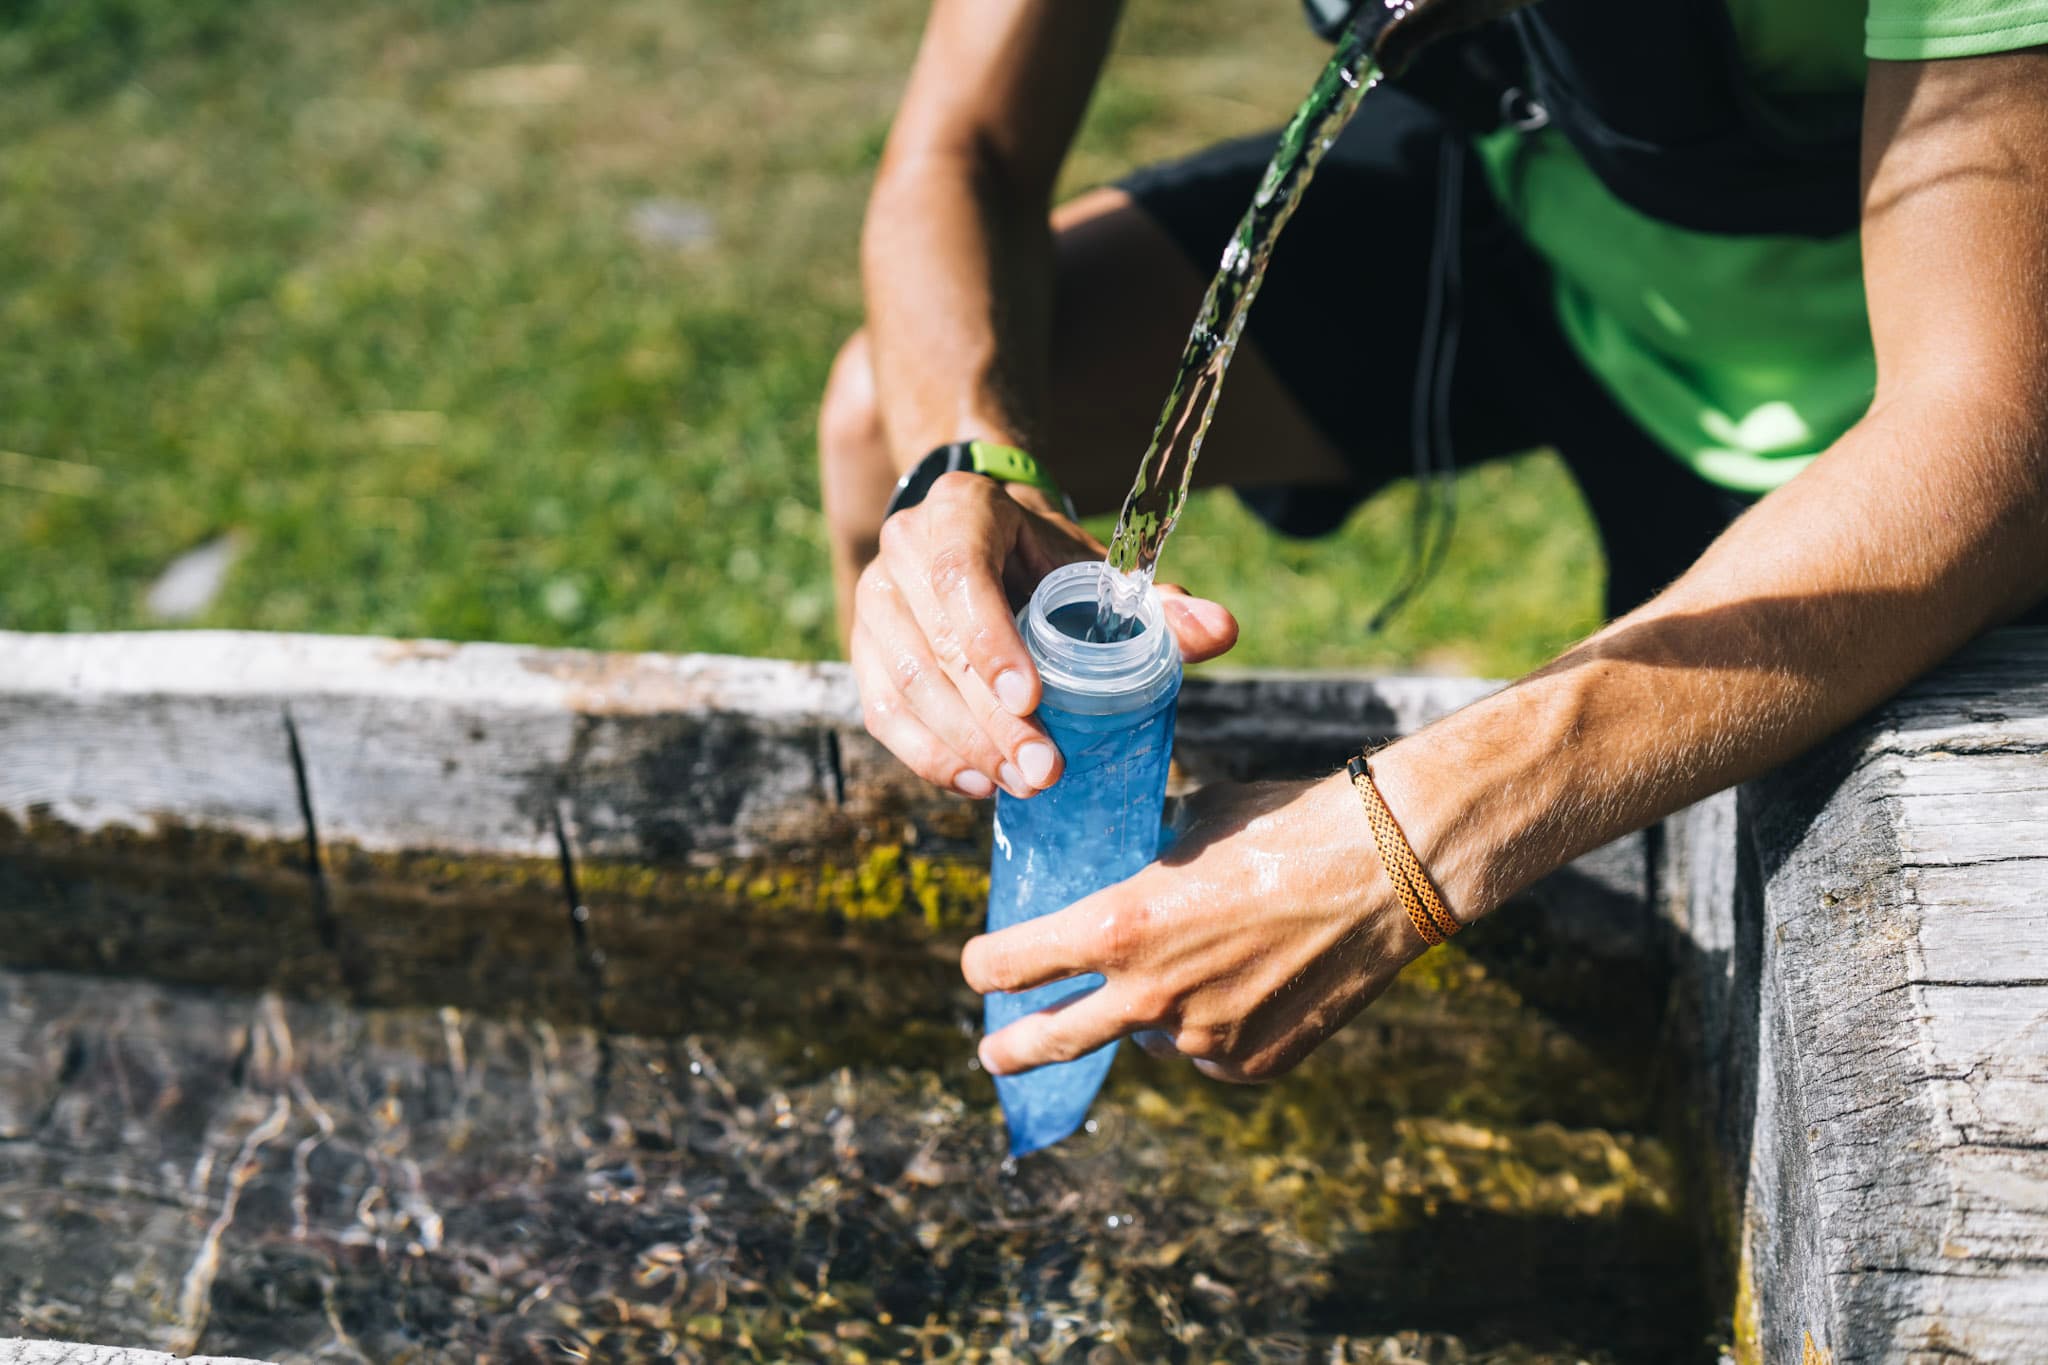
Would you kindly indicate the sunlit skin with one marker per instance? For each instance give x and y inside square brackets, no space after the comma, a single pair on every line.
[1270,924]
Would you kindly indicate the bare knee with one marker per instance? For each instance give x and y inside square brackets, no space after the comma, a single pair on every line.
[853,452]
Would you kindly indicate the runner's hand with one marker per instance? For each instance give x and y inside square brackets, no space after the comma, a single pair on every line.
[945,682]
[1265,927]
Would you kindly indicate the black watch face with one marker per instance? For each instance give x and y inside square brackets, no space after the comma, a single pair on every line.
[916,485]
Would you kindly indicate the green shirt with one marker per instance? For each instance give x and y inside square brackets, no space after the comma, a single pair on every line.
[1744,356]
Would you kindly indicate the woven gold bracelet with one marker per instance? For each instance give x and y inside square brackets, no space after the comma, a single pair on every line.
[1418,894]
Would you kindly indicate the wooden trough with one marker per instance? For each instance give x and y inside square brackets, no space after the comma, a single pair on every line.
[1857,942]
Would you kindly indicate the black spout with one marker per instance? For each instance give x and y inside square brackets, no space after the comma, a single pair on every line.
[1401,30]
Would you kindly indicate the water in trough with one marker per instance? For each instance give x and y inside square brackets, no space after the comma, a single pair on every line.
[454,1168]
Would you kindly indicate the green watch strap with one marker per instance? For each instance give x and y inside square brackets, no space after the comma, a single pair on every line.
[1007,464]
[990,459]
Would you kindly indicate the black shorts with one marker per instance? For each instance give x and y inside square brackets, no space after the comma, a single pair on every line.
[1341,319]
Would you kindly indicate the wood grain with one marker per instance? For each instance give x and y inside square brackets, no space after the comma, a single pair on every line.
[1861,939]
[477,748]
[1887,1084]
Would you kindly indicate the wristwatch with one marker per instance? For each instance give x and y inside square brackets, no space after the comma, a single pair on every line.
[1004,464]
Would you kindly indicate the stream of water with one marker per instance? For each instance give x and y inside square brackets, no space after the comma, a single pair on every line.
[1160,490]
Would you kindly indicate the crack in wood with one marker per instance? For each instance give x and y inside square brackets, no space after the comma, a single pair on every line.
[325,922]
[589,957]
[316,871]
[835,767]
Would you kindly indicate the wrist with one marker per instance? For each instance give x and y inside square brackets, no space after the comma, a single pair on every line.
[1483,795]
[1465,795]
[918,437]
[1366,898]
[1011,467]
[1440,821]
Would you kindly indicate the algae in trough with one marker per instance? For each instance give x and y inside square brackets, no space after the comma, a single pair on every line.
[812,1171]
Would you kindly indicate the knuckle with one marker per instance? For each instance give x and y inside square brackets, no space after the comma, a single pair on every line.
[1150,1003]
[959,485]
[946,650]
[906,671]
[979,753]
[873,588]
[1060,1043]
[1197,1040]
[950,569]
[895,533]
[1006,731]
[985,643]
[1122,935]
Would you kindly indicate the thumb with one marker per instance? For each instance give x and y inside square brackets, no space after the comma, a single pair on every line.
[1202,628]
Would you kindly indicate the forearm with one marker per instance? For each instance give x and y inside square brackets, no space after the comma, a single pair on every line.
[956,255]
[1867,570]
[957,265]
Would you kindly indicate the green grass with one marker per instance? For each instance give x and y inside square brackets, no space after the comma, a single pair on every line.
[359,282]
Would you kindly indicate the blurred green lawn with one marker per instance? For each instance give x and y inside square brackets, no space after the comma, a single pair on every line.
[363,283]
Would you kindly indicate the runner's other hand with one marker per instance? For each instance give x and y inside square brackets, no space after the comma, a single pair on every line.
[945,682]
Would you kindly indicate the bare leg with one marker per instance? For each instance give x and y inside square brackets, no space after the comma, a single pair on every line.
[1126,296]
[855,473]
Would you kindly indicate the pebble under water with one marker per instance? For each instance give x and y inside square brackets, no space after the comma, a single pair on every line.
[1457,1177]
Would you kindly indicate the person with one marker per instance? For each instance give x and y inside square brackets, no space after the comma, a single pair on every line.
[1807,403]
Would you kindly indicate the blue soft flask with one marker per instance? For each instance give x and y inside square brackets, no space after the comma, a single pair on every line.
[1109,708]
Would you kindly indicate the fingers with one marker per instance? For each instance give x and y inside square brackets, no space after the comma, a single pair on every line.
[890,719]
[1103,933]
[938,720]
[1073,1028]
[944,675]
[1203,629]
[1050,948]
[950,565]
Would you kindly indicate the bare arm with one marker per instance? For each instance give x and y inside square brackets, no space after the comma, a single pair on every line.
[957,256]
[957,259]
[1924,525]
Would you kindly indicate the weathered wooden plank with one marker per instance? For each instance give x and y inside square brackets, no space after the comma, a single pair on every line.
[478,749]
[443,783]
[1897,1195]
[165,769]
[98,731]
[1982,930]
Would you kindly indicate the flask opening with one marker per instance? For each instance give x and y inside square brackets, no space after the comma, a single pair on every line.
[1096,677]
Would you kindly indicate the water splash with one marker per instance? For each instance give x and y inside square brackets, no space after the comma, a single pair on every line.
[1160,491]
